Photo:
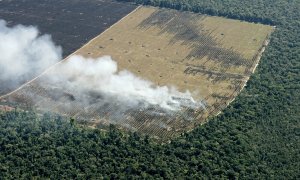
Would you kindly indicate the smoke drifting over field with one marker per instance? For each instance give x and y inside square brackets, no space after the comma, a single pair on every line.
[87,81]
[102,75]
[24,52]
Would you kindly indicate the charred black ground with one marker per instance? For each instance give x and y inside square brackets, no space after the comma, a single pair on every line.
[71,23]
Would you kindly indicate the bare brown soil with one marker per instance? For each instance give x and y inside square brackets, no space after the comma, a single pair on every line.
[212,57]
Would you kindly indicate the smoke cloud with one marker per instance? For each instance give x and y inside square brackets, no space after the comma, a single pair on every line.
[86,81]
[24,53]
[102,75]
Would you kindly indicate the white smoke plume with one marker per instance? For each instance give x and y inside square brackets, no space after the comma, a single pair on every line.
[23,52]
[102,75]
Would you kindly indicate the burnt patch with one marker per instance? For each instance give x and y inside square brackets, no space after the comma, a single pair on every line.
[71,23]
[184,27]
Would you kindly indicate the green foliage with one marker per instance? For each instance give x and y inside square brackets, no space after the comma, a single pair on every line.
[257,136]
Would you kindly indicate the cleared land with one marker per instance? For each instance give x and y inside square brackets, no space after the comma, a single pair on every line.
[212,57]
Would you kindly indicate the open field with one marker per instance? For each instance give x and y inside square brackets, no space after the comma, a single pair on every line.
[212,57]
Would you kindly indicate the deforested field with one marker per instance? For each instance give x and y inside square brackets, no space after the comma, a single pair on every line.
[212,57]
[71,23]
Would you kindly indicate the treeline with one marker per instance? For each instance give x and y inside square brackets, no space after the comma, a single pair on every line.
[256,137]
[54,147]
[206,7]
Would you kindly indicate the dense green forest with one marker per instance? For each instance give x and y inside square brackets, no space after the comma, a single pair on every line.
[257,136]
